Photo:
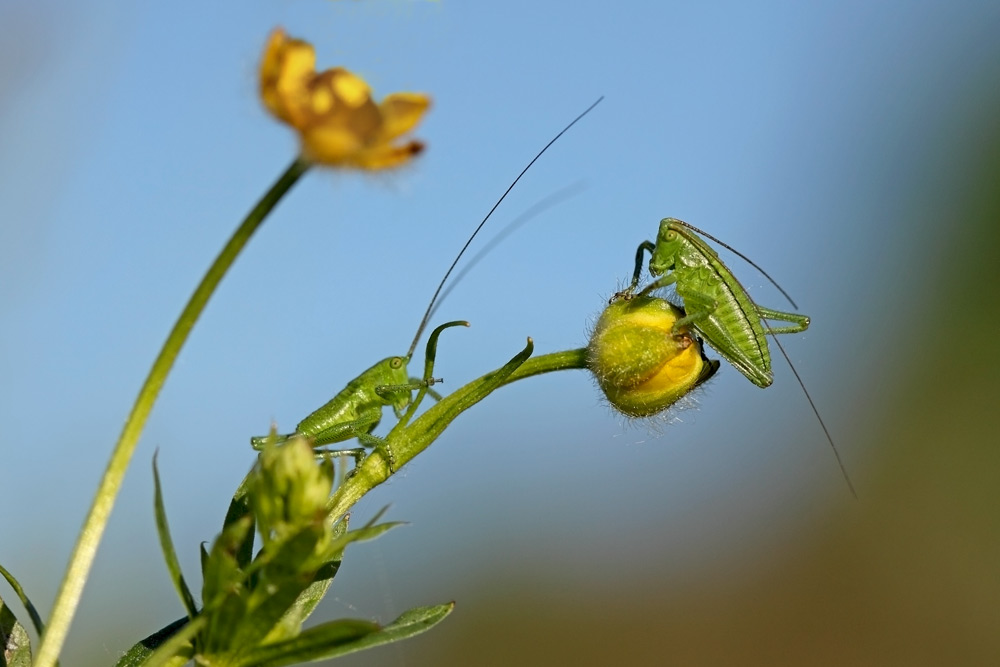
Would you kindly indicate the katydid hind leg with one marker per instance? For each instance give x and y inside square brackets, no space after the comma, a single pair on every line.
[799,322]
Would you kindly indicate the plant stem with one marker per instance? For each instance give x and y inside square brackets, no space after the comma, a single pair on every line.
[421,433]
[83,554]
[547,363]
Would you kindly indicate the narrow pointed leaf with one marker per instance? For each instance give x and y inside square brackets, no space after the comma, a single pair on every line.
[365,534]
[239,508]
[291,623]
[36,620]
[144,648]
[167,546]
[176,649]
[334,639]
[317,643]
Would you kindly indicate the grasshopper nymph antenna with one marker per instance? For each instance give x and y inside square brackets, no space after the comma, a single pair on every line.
[356,410]
[430,306]
[536,209]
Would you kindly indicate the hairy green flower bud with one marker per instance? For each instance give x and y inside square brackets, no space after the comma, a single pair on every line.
[291,487]
[641,365]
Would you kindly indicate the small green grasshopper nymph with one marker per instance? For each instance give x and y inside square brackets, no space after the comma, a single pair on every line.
[357,409]
[718,307]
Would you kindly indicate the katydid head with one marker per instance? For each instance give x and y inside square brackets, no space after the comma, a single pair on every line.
[669,245]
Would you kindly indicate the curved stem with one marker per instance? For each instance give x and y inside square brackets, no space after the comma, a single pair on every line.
[83,554]
[408,441]
[565,360]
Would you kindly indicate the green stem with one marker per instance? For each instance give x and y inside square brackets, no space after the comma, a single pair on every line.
[82,558]
[548,363]
[425,429]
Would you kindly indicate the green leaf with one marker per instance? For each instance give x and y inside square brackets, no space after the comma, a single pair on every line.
[291,623]
[275,588]
[36,620]
[224,584]
[175,650]
[144,648]
[220,567]
[15,645]
[337,638]
[239,508]
[368,532]
[167,546]
[409,624]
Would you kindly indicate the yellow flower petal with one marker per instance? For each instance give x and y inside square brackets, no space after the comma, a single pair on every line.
[386,156]
[401,112]
[328,144]
[287,67]
[350,89]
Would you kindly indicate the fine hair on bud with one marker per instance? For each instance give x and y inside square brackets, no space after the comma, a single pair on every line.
[642,365]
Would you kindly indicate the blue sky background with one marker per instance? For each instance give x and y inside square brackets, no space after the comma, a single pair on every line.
[132,143]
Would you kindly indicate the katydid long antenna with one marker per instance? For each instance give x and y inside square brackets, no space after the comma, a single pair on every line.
[781,348]
[430,306]
[812,404]
[743,257]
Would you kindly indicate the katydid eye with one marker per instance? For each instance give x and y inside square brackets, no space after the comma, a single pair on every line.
[396,362]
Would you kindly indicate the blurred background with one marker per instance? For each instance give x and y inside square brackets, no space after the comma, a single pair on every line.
[850,148]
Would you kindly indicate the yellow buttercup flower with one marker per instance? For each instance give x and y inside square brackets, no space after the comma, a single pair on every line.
[338,122]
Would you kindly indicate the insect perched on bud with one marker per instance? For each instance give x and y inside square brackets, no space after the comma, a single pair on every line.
[643,366]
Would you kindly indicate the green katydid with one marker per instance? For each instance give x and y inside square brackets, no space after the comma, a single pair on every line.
[719,308]
[357,409]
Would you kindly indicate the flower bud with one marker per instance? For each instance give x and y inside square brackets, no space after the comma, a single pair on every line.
[643,366]
[290,488]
